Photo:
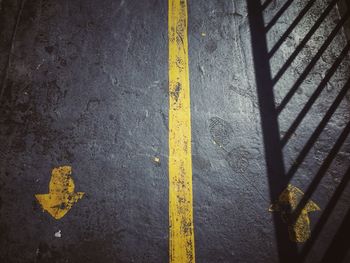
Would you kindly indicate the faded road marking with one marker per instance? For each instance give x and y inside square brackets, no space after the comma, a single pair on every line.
[299,229]
[61,196]
[181,243]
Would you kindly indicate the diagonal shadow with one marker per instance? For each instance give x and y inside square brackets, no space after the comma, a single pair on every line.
[321,172]
[317,132]
[278,15]
[303,42]
[287,250]
[313,62]
[341,140]
[325,215]
[291,27]
[278,178]
[315,96]
[266,4]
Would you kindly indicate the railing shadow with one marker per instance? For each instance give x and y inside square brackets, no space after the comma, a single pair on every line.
[278,177]
[340,245]
[287,250]
[325,215]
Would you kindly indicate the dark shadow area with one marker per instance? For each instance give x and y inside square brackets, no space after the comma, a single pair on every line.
[326,214]
[278,177]
[343,4]
[287,249]
[266,4]
[321,172]
[340,244]
[5,72]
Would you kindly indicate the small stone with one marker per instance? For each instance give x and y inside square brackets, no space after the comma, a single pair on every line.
[58,234]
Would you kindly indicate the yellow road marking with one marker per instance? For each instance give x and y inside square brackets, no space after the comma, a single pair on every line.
[299,230]
[61,196]
[180,159]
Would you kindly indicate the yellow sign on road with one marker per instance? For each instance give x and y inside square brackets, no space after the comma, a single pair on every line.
[61,196]
[299,229]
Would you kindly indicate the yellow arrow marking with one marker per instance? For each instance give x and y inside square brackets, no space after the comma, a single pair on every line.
[61,196]
[181,243]
[299,230]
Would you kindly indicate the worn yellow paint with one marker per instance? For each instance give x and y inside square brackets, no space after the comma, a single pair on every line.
[61,196]
[181,243]
[299,229]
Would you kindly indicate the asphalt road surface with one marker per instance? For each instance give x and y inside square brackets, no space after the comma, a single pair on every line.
[156,131]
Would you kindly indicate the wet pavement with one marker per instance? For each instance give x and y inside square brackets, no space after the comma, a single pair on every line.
[84,102]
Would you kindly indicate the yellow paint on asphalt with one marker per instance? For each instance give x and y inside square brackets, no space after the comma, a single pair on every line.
[181,243]
[61,196]
[299,229]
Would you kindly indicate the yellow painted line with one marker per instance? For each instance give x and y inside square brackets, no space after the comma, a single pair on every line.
[61,196]
[181,243]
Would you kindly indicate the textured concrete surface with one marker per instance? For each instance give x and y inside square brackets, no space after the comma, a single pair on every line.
[85,83]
